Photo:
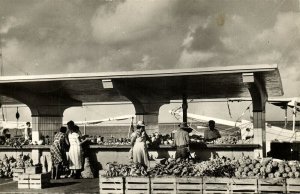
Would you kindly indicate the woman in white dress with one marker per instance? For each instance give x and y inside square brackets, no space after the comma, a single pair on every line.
[75,151]
[139,146]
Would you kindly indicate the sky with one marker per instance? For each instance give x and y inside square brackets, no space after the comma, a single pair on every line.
[72,36]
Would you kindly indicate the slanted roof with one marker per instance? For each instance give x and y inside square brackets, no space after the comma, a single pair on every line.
[198,83]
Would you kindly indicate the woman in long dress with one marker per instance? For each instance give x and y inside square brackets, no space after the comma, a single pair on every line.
[139,149]
[58,152]
[75,151]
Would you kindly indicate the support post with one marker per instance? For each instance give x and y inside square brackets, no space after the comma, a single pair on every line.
[146,102]
[148,113]
[184,108]
[259,97]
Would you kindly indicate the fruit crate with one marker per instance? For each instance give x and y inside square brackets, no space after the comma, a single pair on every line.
[216,185]
[274,185]
[163,185]
[111,185]
[23,181]
[293,185]
[137,185]
[34,181]
[247,185]
[17,172]
[39,181]
[189,185]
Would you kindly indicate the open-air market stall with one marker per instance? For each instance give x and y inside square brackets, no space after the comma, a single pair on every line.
[48,96]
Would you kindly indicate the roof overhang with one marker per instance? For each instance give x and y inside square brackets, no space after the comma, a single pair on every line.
[196,83]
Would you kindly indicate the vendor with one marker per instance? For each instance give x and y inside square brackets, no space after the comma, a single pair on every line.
[27,131]
[211,134]
[182,141]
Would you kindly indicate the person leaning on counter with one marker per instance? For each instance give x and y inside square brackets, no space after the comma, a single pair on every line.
[182,141]
[211,134]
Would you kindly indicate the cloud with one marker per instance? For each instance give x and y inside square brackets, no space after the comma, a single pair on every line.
[144,64]
[10,23]
[129,21]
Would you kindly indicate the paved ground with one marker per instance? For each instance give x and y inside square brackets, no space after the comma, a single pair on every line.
[57,186]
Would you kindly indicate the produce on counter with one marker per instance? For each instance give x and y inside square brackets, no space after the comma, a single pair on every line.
[227,140]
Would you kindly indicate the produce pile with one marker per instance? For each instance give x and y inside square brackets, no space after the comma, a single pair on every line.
[268,168]
[16,142]
[114,169]
[232,140]
[227,140]
[218,167]
[112,141]
[7,164]
[177,167]
[245,167]
[222,167]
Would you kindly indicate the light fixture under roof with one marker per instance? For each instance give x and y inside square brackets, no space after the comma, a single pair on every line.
[107,83]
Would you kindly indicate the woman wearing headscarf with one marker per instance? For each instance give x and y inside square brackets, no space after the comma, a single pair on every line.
[139,146]
[58,152]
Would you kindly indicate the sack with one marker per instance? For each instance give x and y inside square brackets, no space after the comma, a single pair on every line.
[130,154]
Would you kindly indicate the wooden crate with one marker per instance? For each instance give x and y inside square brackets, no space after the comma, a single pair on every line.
[111,185]
[137,185]
[33,170]
[274,185]
[216,185]
[247,185]
[293,185]
[39,181]
[189,185]
[23,181]
[17,172]
[163,185]
[33,181]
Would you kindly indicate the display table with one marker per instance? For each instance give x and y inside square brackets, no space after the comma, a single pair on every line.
[100,155]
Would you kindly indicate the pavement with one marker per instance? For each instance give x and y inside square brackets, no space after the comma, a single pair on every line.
[67,185]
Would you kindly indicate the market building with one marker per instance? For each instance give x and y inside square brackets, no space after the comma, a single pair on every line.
[48,96]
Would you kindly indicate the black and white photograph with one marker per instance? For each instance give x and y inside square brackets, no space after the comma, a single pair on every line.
[149,96]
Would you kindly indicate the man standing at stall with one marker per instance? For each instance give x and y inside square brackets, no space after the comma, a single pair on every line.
[182,141]
[212,133]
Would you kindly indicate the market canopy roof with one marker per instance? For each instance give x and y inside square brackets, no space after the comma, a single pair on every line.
[197,83]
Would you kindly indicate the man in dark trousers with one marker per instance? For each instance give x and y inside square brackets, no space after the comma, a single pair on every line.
[182,141]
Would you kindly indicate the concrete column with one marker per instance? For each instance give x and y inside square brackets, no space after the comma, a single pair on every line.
[259,97]
[146,102]
[148,113]
[259,129]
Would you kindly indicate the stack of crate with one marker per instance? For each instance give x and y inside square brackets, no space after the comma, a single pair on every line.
[33,178]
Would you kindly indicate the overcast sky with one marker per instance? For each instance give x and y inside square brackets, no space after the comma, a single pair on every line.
[69,36]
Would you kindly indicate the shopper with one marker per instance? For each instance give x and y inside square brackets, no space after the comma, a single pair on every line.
[182,141]
[58,152]
[75,152]
[139,146]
